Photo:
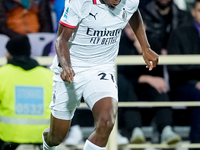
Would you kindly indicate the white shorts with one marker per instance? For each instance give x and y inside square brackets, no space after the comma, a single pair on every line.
[92,84]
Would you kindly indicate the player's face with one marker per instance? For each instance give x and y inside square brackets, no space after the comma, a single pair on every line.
[196,12]
[111,3]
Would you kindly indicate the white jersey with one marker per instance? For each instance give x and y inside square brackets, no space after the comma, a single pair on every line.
[97,31]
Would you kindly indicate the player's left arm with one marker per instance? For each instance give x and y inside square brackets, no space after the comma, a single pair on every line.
[150,57]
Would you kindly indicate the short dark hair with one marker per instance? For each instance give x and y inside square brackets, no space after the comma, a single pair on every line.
[19,46]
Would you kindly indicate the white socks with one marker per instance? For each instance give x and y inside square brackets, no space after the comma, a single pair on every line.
[90,146]
[45,146]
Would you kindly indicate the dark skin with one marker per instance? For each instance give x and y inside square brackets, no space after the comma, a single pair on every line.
[149,56]
[105,110]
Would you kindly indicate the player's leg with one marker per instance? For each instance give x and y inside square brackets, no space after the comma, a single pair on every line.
[104,112]
[64,102]
[101,95]
[57,132]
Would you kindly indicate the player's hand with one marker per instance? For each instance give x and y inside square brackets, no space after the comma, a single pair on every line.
[151,58]
[68,74]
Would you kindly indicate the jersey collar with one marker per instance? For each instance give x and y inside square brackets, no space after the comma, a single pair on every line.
[96,2]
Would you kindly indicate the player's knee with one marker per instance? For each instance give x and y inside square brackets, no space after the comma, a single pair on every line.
[105,125]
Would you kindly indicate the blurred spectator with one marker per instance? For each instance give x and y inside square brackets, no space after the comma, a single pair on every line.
[181,4]
[59,7]
[53,15]
[185,79]
[186,5]
[136,83]
[4,39]
[51,2]
[25,94]
[161,17]
[189,4]
[143,3]
[24,16]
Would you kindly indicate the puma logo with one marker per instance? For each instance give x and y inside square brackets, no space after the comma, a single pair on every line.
[93,15]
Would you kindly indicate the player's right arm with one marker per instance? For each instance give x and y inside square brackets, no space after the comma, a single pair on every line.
[62,50]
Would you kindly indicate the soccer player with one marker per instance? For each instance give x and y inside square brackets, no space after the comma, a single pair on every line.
[87,45]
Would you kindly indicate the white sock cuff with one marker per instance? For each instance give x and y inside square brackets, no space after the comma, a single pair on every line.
[90,146]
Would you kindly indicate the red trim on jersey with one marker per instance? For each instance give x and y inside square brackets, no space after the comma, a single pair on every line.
[94,1]
[69,26]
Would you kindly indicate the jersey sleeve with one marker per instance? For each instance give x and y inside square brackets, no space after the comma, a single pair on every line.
[72,14]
